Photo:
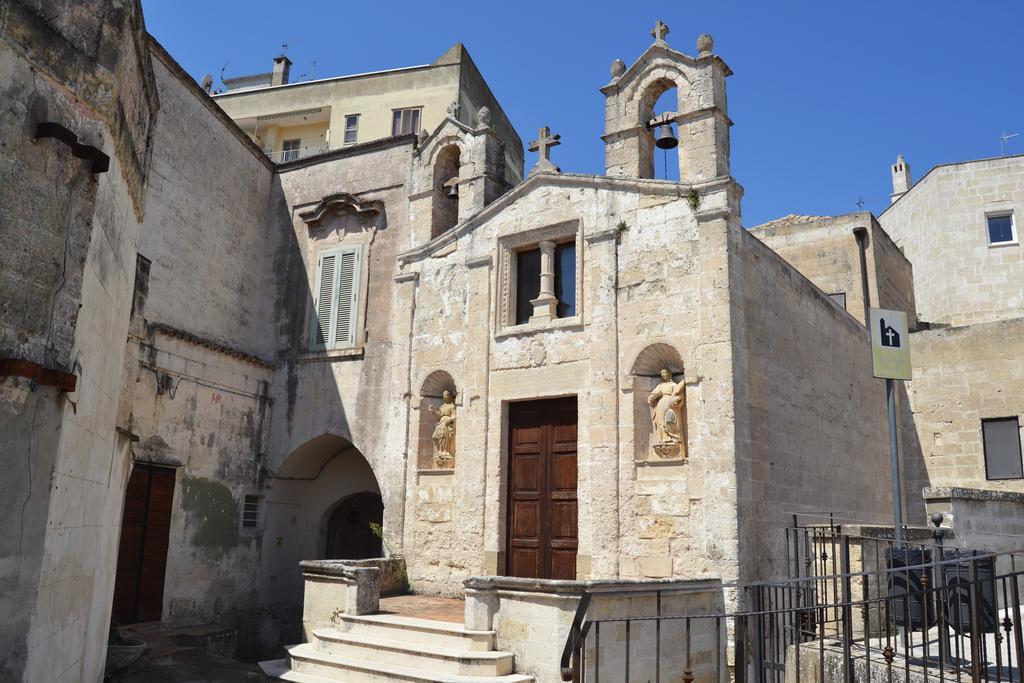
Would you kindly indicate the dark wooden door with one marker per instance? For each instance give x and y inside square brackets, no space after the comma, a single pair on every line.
[542,528]
[142,554]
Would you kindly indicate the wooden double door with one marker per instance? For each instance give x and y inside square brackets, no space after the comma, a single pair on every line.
[542,503]
[142,554]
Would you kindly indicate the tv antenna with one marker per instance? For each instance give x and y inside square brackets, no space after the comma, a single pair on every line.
[1002,142]
[222,72]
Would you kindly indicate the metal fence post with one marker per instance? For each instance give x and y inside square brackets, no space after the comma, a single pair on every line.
[847,609]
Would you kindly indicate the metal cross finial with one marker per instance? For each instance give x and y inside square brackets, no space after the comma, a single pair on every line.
[542,145]
[284,48]
[860,203]
[659,32]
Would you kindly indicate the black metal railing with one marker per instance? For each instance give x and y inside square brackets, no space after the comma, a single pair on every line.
[853,608]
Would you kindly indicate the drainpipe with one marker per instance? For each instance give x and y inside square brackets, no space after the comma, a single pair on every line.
[861,235]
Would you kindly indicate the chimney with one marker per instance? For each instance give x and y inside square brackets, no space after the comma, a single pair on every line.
[282,66]
[900,178]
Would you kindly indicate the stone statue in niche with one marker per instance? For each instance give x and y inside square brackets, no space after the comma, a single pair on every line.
[444,433]
[667,402]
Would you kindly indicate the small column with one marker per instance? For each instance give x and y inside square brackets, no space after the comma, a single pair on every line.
[545,306]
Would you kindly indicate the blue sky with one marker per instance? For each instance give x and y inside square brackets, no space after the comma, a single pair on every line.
[825,94]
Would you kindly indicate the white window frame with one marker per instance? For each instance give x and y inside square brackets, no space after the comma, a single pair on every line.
[402,110]
[1013,227]
[345,129]
[332,341]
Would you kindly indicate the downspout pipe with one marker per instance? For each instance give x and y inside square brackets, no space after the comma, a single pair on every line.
[861,235]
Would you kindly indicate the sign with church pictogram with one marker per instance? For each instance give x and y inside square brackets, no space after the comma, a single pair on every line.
[890,344]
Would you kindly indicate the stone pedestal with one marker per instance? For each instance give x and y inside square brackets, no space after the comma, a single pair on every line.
[332,586]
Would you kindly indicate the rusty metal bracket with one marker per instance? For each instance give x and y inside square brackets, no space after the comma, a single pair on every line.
[65,381]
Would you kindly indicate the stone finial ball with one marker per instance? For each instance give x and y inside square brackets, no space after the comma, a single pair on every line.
[618,68]
[705,44]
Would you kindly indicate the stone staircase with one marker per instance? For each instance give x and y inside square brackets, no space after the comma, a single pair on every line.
[388,647]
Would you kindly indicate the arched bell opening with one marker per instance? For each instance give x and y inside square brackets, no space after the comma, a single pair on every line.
[659,404]
[445,210]
[660,153]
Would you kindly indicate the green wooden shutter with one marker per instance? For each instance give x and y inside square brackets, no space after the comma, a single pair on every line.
[348,296]
[325,300]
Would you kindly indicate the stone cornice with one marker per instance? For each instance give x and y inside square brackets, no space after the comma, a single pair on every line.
[341,201]
[568,180]
[662,50]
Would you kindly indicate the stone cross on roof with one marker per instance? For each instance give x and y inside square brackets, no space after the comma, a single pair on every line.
[542,145]
[659,32]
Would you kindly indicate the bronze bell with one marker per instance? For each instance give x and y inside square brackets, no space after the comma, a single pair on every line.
[666,137]
[453,191]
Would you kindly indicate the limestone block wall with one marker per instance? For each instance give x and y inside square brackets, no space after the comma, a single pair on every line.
[810,418]
[349,403]
[825,251]
[635,518]
[961,376]
[981,519]
[67,242]
[940,226]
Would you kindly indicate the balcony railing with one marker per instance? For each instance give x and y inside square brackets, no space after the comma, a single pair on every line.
[286,155]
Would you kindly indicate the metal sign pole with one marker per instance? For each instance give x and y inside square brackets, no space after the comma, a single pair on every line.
[894,454]
[889,332]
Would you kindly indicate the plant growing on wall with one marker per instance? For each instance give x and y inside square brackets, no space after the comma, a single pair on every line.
[693,199]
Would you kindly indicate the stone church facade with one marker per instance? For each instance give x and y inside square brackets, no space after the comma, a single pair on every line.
[563,377]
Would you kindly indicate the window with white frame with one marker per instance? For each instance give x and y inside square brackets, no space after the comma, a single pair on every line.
[336,298]
[1001,441]
[351,129]
[1001,228]
[290,150]
[253,512]
[405,121]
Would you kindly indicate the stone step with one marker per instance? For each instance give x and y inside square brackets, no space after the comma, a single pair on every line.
[307,660]
[278,670]
[416,631]
[413,655]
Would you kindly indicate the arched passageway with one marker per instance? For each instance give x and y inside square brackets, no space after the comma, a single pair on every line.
[350,535]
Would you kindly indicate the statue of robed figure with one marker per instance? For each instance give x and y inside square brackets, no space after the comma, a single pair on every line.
[668,402]
[444,433]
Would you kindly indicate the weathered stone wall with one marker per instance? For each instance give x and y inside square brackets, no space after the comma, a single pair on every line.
[67,245]
[810,418]
[825,250]
[532,619]
[940,225]
[961,376]
[981,519]
[339,416]
[637,517]
[200,351]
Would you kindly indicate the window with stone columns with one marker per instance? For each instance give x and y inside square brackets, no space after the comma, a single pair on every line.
[540,277]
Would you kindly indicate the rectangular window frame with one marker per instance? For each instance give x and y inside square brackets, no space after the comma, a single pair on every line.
[355,301]
[288,147]
[398,120]
[985,447]
[1013,228]
[253,520]
[353,129]
[508,247]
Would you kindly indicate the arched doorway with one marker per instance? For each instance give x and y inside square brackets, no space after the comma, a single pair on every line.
[349,535]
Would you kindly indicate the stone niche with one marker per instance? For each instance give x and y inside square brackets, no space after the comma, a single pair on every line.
[431,399]
[646,376]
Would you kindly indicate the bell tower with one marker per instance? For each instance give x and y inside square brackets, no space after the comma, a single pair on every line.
[700,113]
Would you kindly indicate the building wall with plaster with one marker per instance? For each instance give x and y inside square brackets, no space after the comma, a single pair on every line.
[940,224]
[67,239]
